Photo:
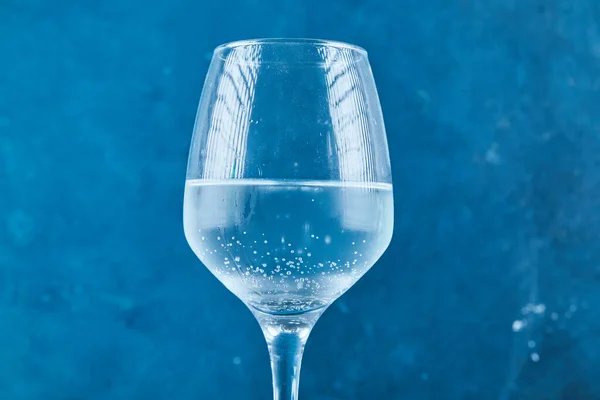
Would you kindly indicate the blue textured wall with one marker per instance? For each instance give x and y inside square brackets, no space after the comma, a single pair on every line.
[490,289]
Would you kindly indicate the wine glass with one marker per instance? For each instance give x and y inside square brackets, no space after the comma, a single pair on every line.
[288,197]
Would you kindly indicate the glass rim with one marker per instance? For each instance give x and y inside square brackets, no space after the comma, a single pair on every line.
[290,41]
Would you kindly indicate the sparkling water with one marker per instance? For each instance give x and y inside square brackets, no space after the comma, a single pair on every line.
[288,247]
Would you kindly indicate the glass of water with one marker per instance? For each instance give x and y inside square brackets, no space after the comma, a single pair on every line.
[288,197]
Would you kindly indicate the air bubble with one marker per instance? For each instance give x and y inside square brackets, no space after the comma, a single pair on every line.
[535,357]
[518,325]
[254,252]
[327,239]
[266,241]
[288,273]
[218,237]
[309,254]
[237,259]
[531,344]
[534,308]
[203,238]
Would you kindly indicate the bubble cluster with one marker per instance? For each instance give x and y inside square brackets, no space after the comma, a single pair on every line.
[267,268]
[533,308]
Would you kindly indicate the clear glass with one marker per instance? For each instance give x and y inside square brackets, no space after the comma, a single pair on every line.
[288,198]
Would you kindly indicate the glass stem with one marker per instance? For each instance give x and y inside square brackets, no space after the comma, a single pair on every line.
[286,359]
[286,336]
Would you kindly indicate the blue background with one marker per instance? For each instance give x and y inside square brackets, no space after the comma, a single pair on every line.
[492,114]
